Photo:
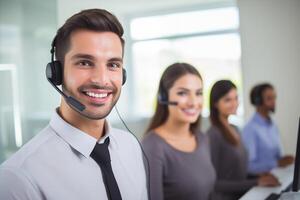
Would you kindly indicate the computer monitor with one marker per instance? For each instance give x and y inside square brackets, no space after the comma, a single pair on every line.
[296,179]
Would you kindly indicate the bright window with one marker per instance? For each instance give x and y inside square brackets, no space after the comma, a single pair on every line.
[207,39]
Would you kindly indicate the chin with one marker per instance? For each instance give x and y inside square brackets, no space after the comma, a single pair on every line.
[96,116]
[191,120]
[96,113]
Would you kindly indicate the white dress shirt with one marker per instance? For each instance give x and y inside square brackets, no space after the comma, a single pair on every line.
[56,165]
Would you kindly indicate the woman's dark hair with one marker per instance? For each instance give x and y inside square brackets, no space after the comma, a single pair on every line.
[90,19]
[219,90]
[169,77]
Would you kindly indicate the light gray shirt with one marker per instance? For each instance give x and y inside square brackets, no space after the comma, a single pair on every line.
[178,175]
[56,165]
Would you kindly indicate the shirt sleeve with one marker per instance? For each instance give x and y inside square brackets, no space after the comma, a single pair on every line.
[156,169]
[250,141]
[15,185]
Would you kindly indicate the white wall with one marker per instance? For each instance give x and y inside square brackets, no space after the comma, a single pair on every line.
[270,40]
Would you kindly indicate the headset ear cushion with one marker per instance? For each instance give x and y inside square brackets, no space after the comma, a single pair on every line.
[257,101]
[124,76]
[162,96]
[54,72]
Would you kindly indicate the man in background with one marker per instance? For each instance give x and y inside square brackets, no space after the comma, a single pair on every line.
[261,135]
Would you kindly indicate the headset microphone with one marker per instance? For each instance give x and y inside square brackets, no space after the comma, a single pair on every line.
[169,103]
[163,97]
[162,100]
[69,99]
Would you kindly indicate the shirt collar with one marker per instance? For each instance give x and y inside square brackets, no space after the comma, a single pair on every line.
[258,118]
[77,139]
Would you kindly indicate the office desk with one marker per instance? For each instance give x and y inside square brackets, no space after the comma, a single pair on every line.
[285,176]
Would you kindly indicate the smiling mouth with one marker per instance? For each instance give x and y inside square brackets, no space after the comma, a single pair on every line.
[190,111]
[96,95]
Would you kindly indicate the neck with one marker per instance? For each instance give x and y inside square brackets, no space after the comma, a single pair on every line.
[263,112]
[178,129]
[94,128]
[224,119]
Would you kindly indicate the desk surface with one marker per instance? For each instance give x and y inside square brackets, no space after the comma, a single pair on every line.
[285,177]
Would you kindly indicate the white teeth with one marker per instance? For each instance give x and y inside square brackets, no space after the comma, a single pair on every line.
[95,95]
[190,111]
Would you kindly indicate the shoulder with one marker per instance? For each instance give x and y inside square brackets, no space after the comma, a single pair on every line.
[123,136]
[249,129]
[151,139]
[214,133]
[16,182]
[251,124]
[153,144]
[125,140]
[31,150]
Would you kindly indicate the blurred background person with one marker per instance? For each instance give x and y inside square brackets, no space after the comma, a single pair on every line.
[178,153]
[261,134]
[228,153]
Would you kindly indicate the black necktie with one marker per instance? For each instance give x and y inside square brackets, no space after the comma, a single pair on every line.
[100,154]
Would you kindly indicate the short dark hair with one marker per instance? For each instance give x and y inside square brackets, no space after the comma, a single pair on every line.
[256,94]
[170,75]
[90,19]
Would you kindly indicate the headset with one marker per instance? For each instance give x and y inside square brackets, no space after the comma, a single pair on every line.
[54,74]
[256,95]
[163,97]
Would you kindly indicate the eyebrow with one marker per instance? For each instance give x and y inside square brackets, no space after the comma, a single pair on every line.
[85,56]
[90,57]
[181,88]
[116,59]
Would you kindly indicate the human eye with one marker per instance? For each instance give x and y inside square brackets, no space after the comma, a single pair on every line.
[114,65]
[199,93]
[85,63]
[181,93]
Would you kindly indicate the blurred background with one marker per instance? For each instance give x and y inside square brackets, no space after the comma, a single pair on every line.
[247,41]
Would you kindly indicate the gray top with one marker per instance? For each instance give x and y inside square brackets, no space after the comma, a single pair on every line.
[56,165]
[178,175]
[230,163]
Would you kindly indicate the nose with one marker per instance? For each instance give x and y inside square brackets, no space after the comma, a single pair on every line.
[194,100]
[99,75]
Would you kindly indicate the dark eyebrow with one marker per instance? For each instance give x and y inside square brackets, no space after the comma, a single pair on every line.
[90,57]
[85,56]
[117,59]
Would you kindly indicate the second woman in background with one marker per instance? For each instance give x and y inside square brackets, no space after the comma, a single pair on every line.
[228,153]
[178,153]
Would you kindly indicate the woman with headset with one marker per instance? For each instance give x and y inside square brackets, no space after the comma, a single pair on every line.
[178,153]
[228,153]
